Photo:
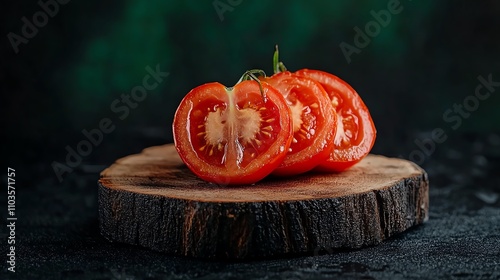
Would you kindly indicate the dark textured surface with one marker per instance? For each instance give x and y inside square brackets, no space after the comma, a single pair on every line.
[59,236]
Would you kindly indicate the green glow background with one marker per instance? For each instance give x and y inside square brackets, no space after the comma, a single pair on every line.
[91,52]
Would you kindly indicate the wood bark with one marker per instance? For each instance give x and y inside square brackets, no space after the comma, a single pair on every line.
[151,199]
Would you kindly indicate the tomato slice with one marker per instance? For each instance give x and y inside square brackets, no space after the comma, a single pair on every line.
[234,135]
[314,122]
[356,131]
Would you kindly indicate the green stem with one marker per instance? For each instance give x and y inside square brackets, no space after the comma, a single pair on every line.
[276,61]
[251,75]
[278,66]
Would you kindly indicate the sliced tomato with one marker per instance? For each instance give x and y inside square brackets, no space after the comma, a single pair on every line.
[356,131]
[314,122]
[235,135]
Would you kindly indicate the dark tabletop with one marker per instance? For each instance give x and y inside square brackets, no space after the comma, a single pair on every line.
[58,237]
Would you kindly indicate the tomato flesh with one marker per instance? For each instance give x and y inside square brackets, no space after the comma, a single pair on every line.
[232,135]
[356,131]
[314,122]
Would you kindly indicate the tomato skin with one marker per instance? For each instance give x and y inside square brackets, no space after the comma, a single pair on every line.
[345,155]
[218,138]
[314,128]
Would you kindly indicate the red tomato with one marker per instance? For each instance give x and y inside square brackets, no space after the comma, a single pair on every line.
[235,135]
[314,122]
[356,132]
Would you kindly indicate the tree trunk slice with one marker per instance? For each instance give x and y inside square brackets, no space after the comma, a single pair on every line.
[151,199]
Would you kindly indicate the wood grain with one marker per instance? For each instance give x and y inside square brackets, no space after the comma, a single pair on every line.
[151,199]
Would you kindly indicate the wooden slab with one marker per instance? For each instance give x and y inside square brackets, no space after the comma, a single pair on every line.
[151,199]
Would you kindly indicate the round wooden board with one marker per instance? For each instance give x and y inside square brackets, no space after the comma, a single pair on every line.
[151,199]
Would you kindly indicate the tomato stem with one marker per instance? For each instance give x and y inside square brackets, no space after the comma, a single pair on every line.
[250,75]
[278,66]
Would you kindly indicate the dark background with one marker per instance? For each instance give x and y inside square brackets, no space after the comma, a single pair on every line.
[65,78]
